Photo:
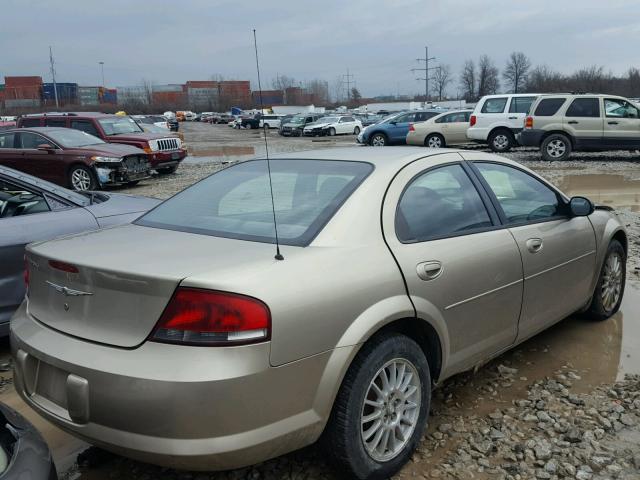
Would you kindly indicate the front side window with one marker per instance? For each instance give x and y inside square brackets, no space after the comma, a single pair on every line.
[6,140]
[438,203]
[30,140]
[549,107]
[520,104]
[522,197]
[236,202]
[16,201]
[407,117]
[494,105]
[584,107]
[617,108]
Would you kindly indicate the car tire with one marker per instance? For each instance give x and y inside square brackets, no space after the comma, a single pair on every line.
[607,296]
[501,141]
[556,147]
[378,140]
[266,126]
[356,130]
[345,435]
[167,170]
[331,132]
[434,140]
[82,179]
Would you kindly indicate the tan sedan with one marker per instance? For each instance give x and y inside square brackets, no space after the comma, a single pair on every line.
[397,268]
[448,128]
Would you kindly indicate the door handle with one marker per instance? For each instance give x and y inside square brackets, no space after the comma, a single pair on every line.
[534,245]
[513,118]
[429,270]
[573,122]
[612,123]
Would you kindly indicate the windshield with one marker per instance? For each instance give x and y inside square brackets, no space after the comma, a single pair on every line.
[327,120]
[71,138]
[297,119]
[118,125]
[236,202]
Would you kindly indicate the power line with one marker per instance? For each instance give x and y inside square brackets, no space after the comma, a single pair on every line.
[53,75]
[348,81]
[426,69]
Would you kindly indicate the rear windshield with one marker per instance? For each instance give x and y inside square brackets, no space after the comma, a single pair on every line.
[236,202]
[68,137]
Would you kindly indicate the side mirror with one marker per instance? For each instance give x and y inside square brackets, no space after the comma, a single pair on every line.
[393,122]
[581,206]
[45,147]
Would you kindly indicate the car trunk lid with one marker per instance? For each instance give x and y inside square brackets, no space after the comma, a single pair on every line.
[111,286]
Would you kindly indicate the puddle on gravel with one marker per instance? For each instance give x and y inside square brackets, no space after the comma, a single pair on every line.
[616,191]
[600,352]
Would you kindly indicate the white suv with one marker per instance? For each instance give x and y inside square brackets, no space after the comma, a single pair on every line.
[498,118]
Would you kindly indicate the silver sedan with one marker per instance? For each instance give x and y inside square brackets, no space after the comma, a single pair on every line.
[398,268]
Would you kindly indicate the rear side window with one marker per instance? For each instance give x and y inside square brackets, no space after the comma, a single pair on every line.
[424,116]
[30,122]
[30,140]
[236,202]
[520,104]
[439,203]
[548,107]
[584,107]
[494,105]
[6,140]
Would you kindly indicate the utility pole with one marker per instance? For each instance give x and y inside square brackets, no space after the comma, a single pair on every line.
[102,68]
[348,81]
[53,76]
[426,69]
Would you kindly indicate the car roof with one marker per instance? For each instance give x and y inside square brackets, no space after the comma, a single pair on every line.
[43,130]
[57,190]
[68,114]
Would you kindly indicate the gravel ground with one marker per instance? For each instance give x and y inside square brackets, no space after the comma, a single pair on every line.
[497,423]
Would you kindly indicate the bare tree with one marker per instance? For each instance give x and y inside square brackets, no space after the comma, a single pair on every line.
[337,89]
[282,82]
[319,89]
[468,80]
[488,82]
[441,79]
[516,71]
[147,86]
[633,82]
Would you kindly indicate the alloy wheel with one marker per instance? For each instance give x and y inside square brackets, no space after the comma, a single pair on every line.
[434,142]
[378,141]
[390,410]
[611,282]
[80,179]
[556,148]
[501,141]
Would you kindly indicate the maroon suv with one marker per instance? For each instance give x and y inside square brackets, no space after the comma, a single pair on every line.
[71,158]
[164,152]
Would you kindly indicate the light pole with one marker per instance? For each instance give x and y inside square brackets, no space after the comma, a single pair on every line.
[102,69]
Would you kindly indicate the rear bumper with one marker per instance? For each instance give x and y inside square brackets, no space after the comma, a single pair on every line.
[166,159]
[184,407]
[530,137]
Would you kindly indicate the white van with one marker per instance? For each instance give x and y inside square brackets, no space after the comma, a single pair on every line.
[497,119]
[271,120]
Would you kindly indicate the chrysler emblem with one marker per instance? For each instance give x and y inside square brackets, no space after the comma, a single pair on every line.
[66,291]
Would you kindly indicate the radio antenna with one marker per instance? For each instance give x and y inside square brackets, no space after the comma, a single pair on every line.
[266,147]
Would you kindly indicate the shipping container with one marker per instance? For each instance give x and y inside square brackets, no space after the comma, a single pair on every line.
[110,95]
[67,92]
[21,103]
[30,92]
[168,88]
[202,84]
[168,98]
[89,92]
[22,81]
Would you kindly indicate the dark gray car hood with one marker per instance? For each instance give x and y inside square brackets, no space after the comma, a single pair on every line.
[114,149]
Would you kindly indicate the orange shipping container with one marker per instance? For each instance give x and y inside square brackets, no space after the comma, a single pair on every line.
[22,81]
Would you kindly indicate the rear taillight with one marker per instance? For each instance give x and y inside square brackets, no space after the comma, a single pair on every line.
[528,122]
[65,267]
[411,128]
[472,120]
[205,317]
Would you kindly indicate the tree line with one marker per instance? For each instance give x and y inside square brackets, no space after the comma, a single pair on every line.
[482,77]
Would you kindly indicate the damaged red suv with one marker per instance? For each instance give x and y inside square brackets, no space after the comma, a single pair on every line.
[164,152]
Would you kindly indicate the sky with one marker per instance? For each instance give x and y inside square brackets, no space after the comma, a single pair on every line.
[377,41]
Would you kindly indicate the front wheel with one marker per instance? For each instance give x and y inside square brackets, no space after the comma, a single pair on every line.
[356,130]
[378,140]
[434,140]
[556,147]
[82,178]
[501,141]
[332,132]
[380,413]
[607,297]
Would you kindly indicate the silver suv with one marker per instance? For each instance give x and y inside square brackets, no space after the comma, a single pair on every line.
[561,123]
